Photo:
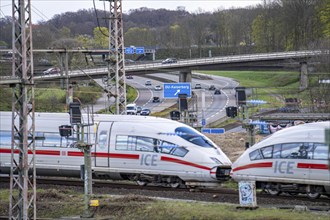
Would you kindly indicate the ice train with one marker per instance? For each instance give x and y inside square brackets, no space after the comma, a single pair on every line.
[124,147]
[293,160]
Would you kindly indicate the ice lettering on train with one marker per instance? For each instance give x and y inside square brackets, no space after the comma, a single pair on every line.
[283,167]
[149,160]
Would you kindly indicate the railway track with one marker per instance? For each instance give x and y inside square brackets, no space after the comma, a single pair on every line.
[223,195]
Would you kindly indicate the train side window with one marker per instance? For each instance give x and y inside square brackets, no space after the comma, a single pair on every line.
[321,152]
[52,140]
[277,151]
[144,144]
[5,138]
[180,151]
[267,152]
[194,137]
[103,137]
[305,151]
[310,150]
[121,142]
[291,150]
[131,143]
[255,155]
[166,147]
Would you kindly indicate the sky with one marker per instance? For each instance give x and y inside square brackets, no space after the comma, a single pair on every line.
[43,10]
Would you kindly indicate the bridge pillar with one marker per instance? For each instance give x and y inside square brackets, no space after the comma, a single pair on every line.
[185,76]
[303,75]
[153,56]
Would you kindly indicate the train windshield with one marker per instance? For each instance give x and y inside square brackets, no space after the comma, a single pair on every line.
[193,137]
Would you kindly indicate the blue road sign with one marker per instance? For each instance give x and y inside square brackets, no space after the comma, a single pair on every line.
[139,50]
[172,90]
[129,50]
[203,122]
[213,130]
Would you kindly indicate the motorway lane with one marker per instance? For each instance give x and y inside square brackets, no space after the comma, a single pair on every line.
[215,105]
[146,94]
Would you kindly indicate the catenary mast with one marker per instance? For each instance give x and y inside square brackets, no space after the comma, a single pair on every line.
[22,175]
[116,66]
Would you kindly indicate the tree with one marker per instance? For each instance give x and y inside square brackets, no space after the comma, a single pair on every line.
[85,41]
[65,32]
[297,19]
[6,30]
[324,16]
[140,37]
[199,29]
[101,37]
[43,36]
[178,36]
[266,29]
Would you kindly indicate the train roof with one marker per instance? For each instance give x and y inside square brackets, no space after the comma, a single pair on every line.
[50,121]
[309,132]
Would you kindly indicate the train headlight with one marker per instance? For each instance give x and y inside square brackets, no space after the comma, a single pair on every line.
[215,160]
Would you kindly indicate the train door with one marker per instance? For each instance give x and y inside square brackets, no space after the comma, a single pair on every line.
[318,169]
[102,144]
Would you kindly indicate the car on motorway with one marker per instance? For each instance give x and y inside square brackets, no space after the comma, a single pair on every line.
[158,88]
[217,92]
[129,61]
[129,77]
[147,83]
[155,99]
[138,109]
[145,111]
[212,87]
[198,86]
[169,60]
[52,70]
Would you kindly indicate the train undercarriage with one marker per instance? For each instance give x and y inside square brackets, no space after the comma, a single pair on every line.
[312,191]
[160,180]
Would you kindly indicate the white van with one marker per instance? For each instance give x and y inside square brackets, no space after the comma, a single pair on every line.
[131,109]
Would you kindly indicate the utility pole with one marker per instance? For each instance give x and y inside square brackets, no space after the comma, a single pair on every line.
[116,65]
[22,202]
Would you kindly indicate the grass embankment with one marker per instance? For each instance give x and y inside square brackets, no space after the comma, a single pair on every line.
[270,86]
[67,203]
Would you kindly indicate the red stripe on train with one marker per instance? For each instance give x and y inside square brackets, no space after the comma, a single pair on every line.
[313,166]
[40,152]
[76,154]
[46,152]
[173,160]
[254,165]
[125,156]
[106,155]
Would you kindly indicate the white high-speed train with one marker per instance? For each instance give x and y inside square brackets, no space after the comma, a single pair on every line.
[124,147]
[293,160]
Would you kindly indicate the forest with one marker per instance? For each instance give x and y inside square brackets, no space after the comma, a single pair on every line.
[275,25]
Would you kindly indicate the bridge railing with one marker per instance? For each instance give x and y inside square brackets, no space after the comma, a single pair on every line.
[185,63]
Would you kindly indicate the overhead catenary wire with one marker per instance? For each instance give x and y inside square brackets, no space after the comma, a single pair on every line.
[97,20]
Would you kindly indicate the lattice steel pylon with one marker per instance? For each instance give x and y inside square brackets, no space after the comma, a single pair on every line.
[116,65]
[22,203]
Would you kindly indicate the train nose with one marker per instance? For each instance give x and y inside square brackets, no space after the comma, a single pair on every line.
[221,173]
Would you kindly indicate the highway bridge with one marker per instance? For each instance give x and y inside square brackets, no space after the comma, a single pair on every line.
[184,66]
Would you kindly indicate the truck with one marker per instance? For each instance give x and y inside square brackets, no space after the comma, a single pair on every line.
[131,109]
